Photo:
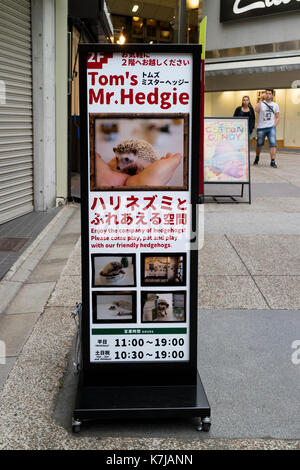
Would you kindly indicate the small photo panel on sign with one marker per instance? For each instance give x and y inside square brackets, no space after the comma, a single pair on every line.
[113,271]
[158,307]
[163,269]
[114,307]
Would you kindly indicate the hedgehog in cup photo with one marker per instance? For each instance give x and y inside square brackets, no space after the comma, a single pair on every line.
[112,269]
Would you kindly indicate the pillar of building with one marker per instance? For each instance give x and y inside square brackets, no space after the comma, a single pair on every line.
[44,106]
[61,100]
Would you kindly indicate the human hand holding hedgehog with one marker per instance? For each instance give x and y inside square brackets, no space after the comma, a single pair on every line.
[136,164]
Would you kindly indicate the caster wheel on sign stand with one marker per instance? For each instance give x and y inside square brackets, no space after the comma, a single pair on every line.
[206,424]
[198,425]
[76,426]
[203,425]
[206,427]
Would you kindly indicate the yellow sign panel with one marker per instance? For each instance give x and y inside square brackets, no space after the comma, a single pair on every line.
[202,36]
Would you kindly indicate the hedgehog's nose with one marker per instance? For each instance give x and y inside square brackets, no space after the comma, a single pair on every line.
[118,168]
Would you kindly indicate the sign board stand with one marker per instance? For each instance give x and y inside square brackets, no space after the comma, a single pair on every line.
[231,196]
[227,157]
[140,170]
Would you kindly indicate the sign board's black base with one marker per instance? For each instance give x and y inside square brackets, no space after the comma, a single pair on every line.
[96,403]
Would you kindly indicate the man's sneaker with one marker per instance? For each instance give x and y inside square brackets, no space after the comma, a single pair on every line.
[273,164]
[256,161]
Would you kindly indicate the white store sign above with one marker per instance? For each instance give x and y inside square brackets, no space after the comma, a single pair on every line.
[232,10]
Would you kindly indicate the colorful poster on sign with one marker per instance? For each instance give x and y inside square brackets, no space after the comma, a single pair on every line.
[226,150]
[139,168]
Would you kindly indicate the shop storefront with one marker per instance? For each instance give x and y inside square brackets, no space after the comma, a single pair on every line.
[16,136]
[33,106]
[251,47]
[88,22]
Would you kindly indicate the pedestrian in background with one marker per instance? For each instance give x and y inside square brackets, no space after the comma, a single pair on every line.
[268,120]
[246,110]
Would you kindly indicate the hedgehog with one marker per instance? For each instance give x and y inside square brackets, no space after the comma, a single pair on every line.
[123,304]
[162,308]
[161,304]
[134,155]
[112,270]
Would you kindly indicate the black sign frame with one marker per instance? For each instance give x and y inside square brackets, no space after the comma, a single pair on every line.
[101,380]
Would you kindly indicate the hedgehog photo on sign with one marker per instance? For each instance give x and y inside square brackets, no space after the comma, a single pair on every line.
[139,151]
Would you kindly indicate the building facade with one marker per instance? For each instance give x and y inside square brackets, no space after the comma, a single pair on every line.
[33,105]
[250,46]
[38,84]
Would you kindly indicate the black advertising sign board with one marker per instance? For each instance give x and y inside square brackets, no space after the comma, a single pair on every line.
[233,10]
[140,167]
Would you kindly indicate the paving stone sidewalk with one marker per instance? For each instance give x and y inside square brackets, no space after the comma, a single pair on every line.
[28,285]
[25,228]
[29,405]
[249,301]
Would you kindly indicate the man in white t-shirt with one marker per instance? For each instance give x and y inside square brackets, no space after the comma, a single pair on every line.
[268,119]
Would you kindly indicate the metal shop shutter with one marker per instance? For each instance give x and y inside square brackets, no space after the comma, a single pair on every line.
[16,141]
